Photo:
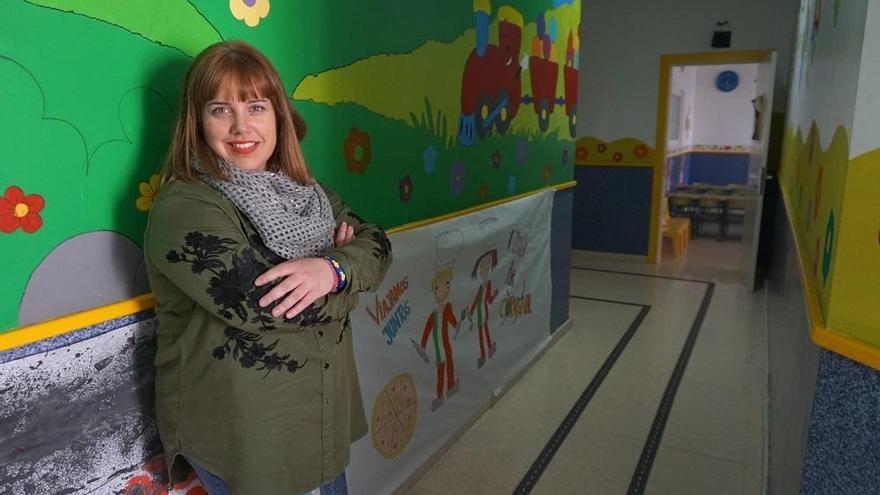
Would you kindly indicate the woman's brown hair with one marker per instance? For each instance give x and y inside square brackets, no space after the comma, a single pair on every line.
[244,72]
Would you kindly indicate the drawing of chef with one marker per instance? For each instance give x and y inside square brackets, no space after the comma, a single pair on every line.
[448,245]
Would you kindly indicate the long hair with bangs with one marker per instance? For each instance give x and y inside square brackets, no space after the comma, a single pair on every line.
[234,69]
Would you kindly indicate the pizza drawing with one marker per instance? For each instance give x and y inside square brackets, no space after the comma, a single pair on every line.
[394,416]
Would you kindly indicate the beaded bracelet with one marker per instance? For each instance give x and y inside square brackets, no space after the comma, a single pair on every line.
[341,280]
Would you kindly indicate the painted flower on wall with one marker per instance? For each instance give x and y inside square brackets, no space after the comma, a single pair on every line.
[496,160]
[456,178]
[148,191]
[617,157]
[601,147]
[251,12]
[356,150]
[153,480]
[640,151]
[18,210]
[405,187]
[484,191]
[430,159]
[144,485]
[581,153]
[522,148]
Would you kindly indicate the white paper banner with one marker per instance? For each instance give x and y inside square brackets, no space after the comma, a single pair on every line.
[465,305]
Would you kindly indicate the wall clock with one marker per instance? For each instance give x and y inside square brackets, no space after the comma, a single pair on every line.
[727,81]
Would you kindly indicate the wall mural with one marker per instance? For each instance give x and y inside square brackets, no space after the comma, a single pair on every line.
[834,205]
[415,111]
[434,346]
[815,180]
[590,150]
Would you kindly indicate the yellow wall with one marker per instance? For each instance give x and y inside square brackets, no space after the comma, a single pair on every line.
[814,179]
[855,301]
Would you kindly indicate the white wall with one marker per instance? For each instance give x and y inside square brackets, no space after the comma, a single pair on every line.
[825,79]
[621,44]
[866,124]
[724,118]
[683,82]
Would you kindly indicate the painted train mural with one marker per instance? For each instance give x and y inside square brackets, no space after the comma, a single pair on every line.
[491,89]
[383,93]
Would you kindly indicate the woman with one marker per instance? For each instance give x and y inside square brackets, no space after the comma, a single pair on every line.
[254,267]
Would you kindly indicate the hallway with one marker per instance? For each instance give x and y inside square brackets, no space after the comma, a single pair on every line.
[621,403]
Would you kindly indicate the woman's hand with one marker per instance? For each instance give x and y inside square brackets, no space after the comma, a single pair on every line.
[344,234]
[304,281]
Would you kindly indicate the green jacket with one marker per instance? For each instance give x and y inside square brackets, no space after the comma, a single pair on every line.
[270,405]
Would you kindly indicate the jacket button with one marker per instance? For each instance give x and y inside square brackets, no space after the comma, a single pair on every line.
[320,333]
[326,365]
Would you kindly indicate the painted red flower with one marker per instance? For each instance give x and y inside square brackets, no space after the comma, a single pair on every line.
[144,485]
[190,479]
[18,210]
[496,160]
[617,157]
[602,147]
[640,151]
[356,150]
[156,467]
[405,188]
[581,152]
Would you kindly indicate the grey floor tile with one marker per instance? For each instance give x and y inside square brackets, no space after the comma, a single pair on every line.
[714,437]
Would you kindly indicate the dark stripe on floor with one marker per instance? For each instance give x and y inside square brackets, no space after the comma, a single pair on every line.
[652,443]
[649,452]
[537,469]
[635,274]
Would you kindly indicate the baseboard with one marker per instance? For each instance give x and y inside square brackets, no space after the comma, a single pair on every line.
[641,258]
[414,477]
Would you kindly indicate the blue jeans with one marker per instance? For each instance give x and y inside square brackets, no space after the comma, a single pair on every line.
[216,486]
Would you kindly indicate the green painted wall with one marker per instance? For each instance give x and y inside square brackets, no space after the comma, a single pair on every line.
[90,90]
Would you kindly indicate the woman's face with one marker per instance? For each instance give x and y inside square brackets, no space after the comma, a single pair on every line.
[242,132]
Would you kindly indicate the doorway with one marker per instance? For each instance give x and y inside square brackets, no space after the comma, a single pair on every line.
[713,125]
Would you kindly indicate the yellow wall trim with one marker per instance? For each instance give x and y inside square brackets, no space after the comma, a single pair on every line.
[65,324]
[621,152]
[820,334]
[52,328]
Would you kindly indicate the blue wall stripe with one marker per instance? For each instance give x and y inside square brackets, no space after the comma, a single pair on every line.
[613,209]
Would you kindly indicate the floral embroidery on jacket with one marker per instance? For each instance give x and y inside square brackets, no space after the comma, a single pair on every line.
[229,288]
[235,294]
[310,316]
[383,245]
[246,348]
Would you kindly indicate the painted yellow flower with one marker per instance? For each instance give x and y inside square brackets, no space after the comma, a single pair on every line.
[148,191]
[249,11]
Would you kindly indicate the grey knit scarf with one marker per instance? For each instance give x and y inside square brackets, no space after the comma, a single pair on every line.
[293,220]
